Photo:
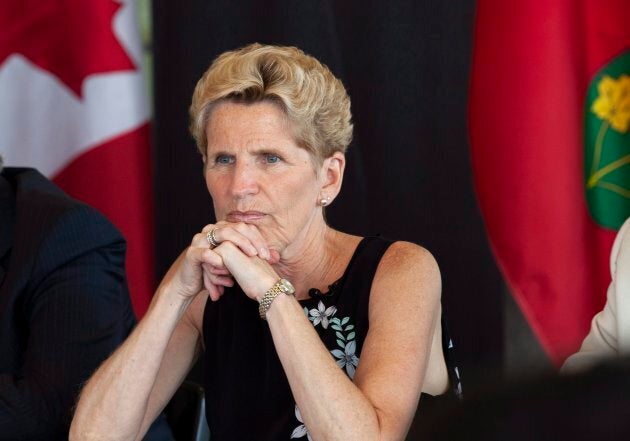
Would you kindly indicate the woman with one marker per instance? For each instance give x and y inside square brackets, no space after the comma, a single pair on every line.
[272,125]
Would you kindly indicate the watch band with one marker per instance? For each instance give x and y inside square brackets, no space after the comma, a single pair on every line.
[280,287]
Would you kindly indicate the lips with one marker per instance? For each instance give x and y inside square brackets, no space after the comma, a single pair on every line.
[245,216]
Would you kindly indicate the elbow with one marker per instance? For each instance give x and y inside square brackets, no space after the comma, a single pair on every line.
[75,434]
[78,434]
[78,429]
[82,432]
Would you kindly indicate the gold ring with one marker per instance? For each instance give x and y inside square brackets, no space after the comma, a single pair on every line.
[212,239]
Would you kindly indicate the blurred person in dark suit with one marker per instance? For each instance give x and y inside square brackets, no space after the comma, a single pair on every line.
[64,303]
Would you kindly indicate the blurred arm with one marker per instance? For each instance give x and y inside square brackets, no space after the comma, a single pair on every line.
[603,340]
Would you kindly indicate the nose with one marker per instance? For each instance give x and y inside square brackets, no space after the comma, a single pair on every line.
[244,180]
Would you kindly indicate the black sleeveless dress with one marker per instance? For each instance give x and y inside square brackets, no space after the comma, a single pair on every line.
[247,392]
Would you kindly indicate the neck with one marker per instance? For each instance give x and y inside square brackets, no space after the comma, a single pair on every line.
[314,261]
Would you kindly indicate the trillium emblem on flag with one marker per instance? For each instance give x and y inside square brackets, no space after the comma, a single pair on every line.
[607,144]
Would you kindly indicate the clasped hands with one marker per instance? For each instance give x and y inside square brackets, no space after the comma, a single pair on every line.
[242,255]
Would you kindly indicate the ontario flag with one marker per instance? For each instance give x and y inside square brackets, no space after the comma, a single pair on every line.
[73,105]
[549,121]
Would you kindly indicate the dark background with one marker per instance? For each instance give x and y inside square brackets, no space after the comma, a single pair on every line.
[406,66]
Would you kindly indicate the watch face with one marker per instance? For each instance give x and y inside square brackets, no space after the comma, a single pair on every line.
[286,286]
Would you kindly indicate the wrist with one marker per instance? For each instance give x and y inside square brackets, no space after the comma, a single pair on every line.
[170,297]
[266,283]
[279,288]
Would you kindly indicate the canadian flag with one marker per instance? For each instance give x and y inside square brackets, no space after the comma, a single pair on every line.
[73,105]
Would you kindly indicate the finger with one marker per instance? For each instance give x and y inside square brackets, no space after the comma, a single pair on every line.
[197,239]
[214,293]
[274,257]
[243,242]
[225,231]
[218,271]
[228,233]
[213,289]
[206,256]
[200,240]
[194,259]
[222,277]
[211,269]
[222,281]
[193,264]
[254,235]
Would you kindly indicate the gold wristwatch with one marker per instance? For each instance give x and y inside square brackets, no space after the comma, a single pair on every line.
[282,286]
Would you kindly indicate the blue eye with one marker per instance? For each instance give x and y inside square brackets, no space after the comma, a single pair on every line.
[272,159]
[224,159]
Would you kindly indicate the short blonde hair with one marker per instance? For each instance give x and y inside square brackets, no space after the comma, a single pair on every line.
[314,100]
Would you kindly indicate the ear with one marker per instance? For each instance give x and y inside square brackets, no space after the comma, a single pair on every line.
[332,175]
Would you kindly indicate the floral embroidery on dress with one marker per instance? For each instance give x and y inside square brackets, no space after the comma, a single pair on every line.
[321,314]
[346,356]
[300,430]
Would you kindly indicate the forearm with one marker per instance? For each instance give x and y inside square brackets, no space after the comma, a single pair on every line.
[331,405]
[114,402]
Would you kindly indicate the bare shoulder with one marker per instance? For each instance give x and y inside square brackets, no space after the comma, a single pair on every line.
[408,265]
[407,285]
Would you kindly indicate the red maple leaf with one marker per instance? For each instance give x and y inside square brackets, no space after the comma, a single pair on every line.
[69,38]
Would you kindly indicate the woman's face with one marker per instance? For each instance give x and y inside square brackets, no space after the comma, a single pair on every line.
[257,174]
